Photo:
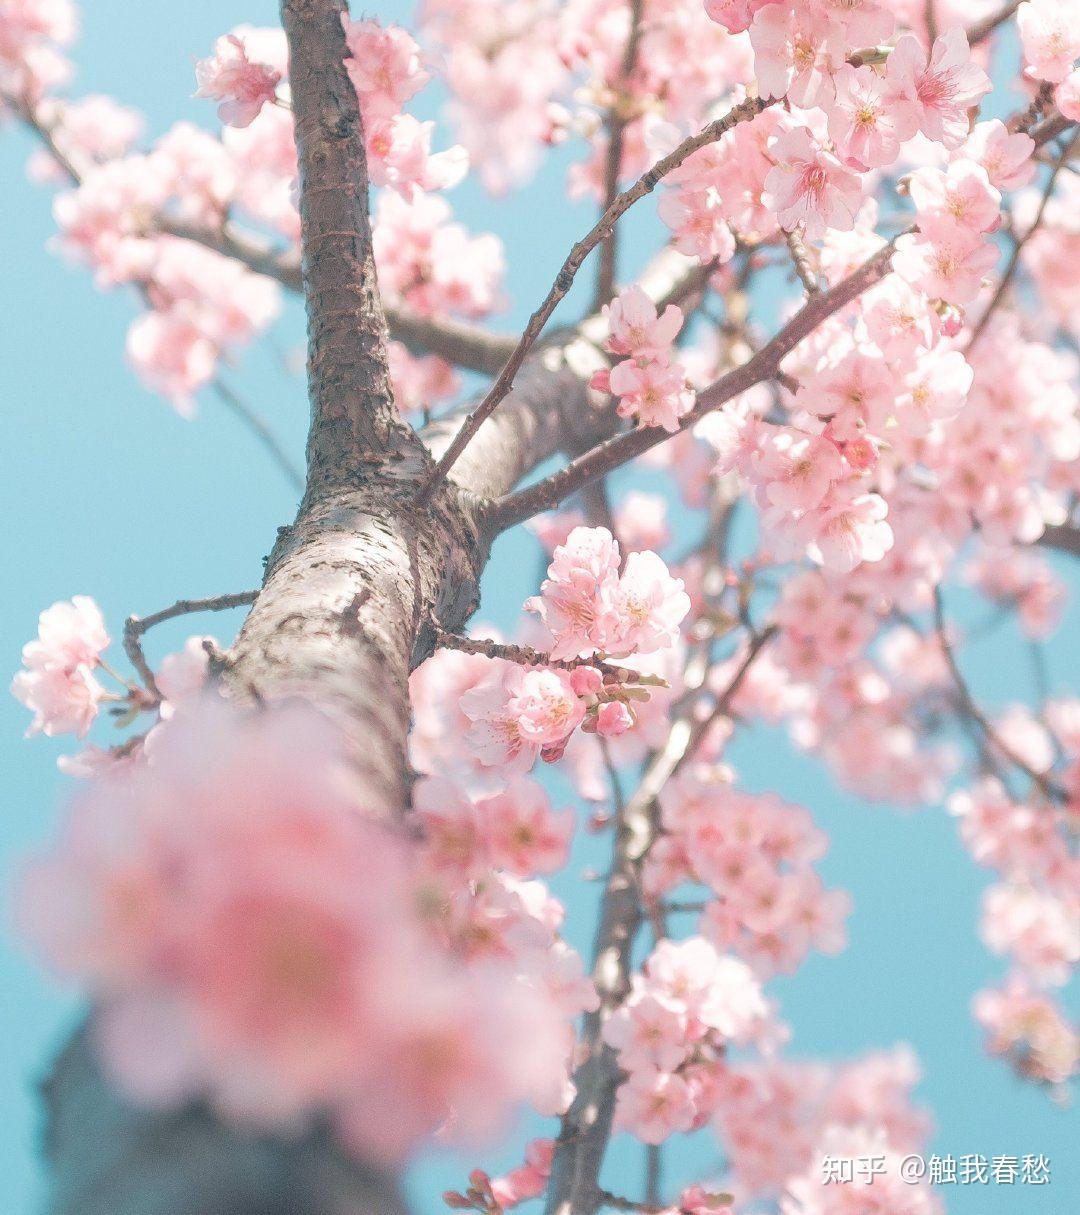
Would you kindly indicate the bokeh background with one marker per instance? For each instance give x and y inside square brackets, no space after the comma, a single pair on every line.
[105,491]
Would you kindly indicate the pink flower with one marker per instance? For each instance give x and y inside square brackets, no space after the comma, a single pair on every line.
[520,831]
[1067,96]
[182,675]
[649,605]
[172,354]
[242,87]
[848,528]
[1050,37]
[734,15]
[57,683]
[653,1105]
[451,828]
[959,197]
[949,265]
[810,186]
[636,330]
[250,937]
[613,719]
[385,67]
[865,125]
[1031,1028]
[936,388]
[399,155]
[652,391]
[544,705]
[697,220]
[793,48]
[649,1033]
[936,93]
[716,992]
[528,1181]
[575,598]
[589,608]
[799,469]
[1005,156]
[517,713]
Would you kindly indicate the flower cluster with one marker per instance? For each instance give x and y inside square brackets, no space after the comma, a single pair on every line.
[755,854]
[593,610]
[33,37]
[688,1003]
[241,84]
[57,683]
[250,937]
[651,388]
[432,263]
[385,68]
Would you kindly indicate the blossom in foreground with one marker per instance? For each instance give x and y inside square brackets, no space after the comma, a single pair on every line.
[809,186]
[248,936]
[936,90]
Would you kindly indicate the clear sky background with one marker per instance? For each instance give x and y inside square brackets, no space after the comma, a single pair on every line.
[107,492]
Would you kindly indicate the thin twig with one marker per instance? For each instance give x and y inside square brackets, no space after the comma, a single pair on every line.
[525,655]
[1053,125]
[686,736]
[564,280]
[1018,247]
[262,431]
[75,174]
[618,1203]
[136,626]
[654,1173]
[613,453]
[931,22]
[616,124]
[970,708]
[984,28]
[800,257]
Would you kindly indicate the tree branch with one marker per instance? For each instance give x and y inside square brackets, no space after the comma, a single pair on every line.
[1018,247]
[565,278]
[616,124]
[259,427]
[1064,537]
[982,30]
[970,708]
[464,345]
[586,1129]
[136,626]
[617,451]
[525,655]
[354,420]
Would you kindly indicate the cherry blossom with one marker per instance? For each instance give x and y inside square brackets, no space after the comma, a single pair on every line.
[808,186]
[937,90]
[326,971]
[865,123]
[241,85]
[1051,41]
[57,683]
[589,607]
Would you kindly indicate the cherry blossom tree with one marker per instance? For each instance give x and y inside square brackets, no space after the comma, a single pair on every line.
[305,892]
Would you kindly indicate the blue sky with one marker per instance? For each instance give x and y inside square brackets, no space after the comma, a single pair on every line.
[107,492]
